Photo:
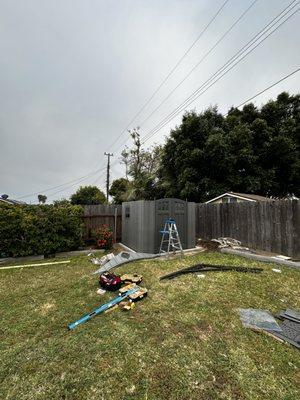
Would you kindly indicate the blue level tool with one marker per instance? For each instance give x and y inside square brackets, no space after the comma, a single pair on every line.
[103,308]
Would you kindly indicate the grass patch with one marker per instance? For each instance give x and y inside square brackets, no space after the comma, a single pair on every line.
[185,341]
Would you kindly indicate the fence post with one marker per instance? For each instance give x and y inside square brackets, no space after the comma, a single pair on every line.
[115,227]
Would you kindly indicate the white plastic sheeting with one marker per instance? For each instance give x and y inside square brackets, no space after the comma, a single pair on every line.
[123,258]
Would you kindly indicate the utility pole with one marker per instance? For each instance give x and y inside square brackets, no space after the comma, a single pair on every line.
[107,174]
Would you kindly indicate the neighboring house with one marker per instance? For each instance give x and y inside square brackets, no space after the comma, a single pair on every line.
[231,197]
[4,199]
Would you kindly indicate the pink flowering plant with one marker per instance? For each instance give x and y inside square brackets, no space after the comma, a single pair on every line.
[103,237]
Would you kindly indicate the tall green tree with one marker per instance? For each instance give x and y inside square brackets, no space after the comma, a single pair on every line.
[88,195]
[250,150]
[119,190]
[142,167]
[42,198]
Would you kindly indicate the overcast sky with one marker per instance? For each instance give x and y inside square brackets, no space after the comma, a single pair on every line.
[73,73]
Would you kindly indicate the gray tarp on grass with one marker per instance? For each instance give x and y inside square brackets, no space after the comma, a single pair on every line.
[258,319]
[288,330]
[123,258]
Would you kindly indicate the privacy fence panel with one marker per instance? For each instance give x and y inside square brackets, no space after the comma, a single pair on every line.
[96,215]
[270,226]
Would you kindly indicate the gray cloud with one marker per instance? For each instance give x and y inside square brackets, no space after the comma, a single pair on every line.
[73,73]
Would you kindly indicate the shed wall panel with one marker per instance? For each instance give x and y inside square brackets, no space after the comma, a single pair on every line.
[191,225]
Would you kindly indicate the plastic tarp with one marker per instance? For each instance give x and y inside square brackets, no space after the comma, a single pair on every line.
[288,329]
[123,258]
[258,319]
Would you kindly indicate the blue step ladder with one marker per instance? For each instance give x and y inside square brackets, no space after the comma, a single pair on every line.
[170,240]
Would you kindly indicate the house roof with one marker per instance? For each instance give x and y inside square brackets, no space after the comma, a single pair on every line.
[242,196]
[11,201]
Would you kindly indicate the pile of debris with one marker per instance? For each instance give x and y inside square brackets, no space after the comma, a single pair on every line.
[229,242]
[285,328]
[111,261]
[220,243]
[128,295]
[113,282]
[127,285]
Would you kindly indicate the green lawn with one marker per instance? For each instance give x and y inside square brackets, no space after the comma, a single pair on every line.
[185,341]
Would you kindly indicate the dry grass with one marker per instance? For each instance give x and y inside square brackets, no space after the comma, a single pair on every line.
[184,341]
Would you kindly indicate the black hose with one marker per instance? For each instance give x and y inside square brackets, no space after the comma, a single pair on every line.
[207,268]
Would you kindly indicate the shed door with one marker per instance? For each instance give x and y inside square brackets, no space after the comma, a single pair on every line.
[171,208]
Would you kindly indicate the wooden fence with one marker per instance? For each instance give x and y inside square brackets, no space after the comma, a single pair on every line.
[95,216]
[271,226]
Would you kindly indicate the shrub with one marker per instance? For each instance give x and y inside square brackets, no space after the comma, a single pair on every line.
[103,237]
[39,229]
[88,195]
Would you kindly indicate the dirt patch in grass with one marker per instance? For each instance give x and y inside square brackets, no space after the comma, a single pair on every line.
[203,330]
[46,307]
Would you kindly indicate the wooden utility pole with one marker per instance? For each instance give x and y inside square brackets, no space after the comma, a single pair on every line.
[107,173]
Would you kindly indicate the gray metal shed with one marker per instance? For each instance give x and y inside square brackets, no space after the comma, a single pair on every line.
[142,220]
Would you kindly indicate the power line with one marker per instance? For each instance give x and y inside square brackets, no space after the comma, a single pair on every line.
[152,96]
[200,62]
[196,93]
[102,175]
[73,184]
[144,106]
[244,102]
[250,43]
[77,180]
[267,88]
[170,73]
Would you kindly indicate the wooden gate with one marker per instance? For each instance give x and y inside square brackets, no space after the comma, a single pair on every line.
[175,209]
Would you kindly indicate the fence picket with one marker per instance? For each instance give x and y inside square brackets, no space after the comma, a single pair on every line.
[96,215]
[270,226]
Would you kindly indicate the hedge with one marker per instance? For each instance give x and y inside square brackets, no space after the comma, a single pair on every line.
[39,229]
